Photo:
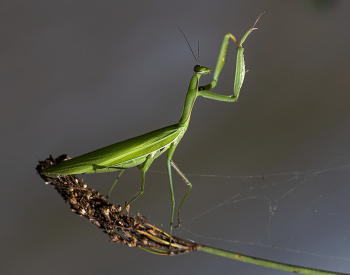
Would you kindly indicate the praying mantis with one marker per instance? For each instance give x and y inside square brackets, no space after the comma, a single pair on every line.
[142,150]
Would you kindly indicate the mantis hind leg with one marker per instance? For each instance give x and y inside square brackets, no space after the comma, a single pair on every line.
[115,182]
[144,169]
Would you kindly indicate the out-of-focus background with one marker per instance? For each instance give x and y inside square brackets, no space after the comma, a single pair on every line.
[270,173]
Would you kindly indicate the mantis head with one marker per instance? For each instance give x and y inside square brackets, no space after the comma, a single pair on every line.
[198,69]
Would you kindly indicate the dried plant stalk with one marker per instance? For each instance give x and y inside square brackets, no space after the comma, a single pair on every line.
[132,231]
[135,231]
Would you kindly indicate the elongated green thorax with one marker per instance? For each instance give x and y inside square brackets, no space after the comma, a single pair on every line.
[191,96]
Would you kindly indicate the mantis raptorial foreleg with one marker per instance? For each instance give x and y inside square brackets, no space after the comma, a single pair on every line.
[240,68]
[221,61]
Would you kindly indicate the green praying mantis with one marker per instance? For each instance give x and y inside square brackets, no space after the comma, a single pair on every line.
[142,150]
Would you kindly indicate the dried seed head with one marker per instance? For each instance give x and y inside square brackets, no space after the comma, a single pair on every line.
[73,201]
[132,231]
[82,211]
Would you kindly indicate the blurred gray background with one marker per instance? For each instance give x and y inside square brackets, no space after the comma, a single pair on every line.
[270,172]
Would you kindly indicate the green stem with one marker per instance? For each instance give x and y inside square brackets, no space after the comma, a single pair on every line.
[261,262]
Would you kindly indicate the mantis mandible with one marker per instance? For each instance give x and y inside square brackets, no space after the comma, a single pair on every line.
[142,150]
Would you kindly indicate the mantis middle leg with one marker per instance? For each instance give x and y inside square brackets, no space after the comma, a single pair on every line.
[170,155]
[188,191]
[170,163]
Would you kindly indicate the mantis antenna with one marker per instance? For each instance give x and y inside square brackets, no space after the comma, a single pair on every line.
[190,47]
[198,54]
